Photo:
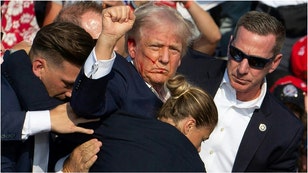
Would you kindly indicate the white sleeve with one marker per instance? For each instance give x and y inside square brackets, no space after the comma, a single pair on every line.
[96,69]
[36,122]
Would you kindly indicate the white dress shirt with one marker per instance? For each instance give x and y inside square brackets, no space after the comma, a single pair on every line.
[41,152]
[37,123]
[219,151]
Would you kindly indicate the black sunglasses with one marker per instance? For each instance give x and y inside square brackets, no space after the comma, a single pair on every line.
[253,61]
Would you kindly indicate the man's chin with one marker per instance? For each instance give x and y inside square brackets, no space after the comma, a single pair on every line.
[239,87]
[160,81]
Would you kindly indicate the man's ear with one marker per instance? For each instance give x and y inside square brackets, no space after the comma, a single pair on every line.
[275,63]
[131,47]
[189,124]
[38,66]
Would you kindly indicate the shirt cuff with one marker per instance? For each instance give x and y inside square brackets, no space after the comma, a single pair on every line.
[59,164]
[96,69]
[36,122]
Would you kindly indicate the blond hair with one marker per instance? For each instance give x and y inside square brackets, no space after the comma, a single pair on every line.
[187,100]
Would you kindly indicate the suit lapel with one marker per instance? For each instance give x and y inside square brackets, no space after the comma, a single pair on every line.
[253,137]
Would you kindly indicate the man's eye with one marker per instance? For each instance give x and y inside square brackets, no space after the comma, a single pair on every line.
[174,51]
[155,48]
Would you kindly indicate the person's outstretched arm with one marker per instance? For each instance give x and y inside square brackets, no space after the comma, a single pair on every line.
[209,31]
[90,89]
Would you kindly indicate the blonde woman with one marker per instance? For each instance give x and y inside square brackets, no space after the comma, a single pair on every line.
[190,110]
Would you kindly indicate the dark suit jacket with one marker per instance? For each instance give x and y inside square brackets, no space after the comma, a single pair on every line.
[12,152]
[21,91]
[276,148]
[138,143]
[122,89]
[133,139]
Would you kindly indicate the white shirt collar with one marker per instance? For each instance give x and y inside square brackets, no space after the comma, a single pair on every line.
[166,92]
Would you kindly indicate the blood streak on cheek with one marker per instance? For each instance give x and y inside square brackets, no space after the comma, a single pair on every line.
[153,62]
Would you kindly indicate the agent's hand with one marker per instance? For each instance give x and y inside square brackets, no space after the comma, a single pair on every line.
[82,157]
[64,120]
[116,22]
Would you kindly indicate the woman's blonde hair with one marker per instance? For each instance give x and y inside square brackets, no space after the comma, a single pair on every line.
[187,100]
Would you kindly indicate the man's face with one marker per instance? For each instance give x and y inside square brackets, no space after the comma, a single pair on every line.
[245,79]
[59,80]
[157,54]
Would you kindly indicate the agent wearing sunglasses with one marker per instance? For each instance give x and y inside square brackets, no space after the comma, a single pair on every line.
[255,133]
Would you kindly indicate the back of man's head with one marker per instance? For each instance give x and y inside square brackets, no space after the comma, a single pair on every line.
[86,14]
[73,12]
[61,41]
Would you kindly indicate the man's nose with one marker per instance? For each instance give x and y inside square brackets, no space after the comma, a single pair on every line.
[164,56]
[243,66]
